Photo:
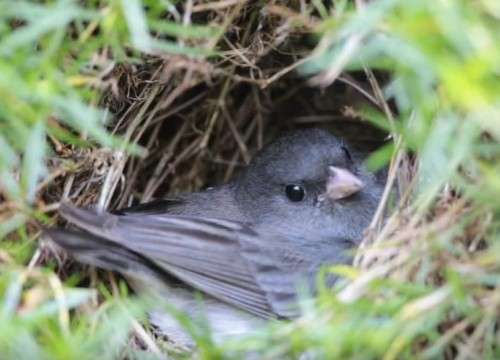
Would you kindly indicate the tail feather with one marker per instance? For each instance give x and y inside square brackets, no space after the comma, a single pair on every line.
[99,252]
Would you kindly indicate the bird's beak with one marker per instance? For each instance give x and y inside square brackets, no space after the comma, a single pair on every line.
[341,183]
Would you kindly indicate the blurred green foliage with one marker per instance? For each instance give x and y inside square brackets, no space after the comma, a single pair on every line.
[45,51]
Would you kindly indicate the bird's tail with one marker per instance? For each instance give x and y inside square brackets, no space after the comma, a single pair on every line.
[102,253]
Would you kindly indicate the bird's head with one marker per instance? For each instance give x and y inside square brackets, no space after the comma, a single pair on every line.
[312,184]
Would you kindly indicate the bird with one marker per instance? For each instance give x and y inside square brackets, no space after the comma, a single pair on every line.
[249,245]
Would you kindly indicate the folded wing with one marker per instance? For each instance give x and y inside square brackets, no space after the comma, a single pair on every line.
[224,259]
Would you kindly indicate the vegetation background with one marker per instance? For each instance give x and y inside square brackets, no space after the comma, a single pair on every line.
[113,102]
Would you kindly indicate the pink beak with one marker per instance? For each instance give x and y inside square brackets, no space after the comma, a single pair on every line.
[341,183]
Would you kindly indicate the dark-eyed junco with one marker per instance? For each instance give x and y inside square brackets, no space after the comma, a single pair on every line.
[303,202]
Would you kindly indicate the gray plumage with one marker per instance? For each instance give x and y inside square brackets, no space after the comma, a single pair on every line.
[248,244]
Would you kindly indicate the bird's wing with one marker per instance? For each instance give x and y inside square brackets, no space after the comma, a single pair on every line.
[222,258]
[158,206]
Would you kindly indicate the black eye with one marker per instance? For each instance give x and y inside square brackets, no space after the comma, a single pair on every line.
[295,193]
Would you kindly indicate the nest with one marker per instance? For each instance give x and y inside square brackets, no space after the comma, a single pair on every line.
[198,121]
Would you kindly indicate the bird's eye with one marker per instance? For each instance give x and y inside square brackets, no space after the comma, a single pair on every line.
[295,192]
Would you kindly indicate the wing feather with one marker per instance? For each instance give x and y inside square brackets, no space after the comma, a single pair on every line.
[204,253]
